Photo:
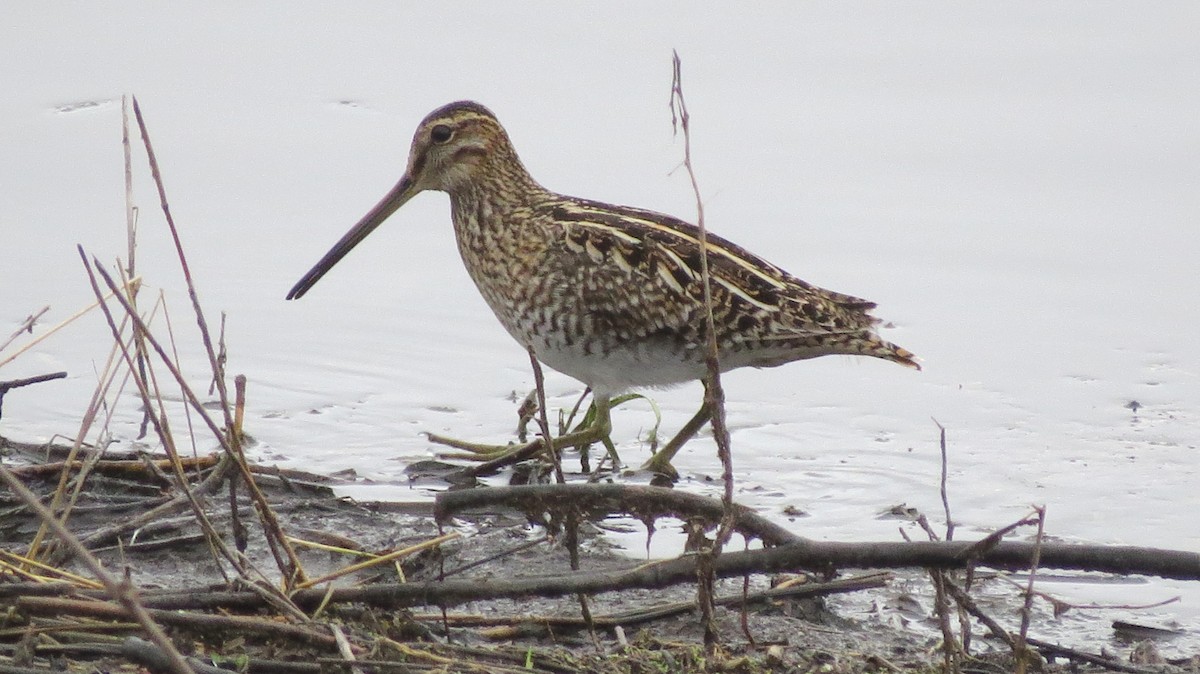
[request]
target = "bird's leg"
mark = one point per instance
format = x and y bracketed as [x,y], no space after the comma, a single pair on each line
[600,426]
[597,429]
[661,461]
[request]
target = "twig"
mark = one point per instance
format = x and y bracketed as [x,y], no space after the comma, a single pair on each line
[183,264]
[344,648]
[968,604]
[945,472]
[210,484]
[382,559]
[134,282]
[123,592]
[292,570]
[571,521]
[544,421]
[714,394]
[26,326]
[130,209]
[159,420]
[1020,650]
[6,386]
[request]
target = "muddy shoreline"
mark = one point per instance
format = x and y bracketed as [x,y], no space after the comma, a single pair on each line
[172,566]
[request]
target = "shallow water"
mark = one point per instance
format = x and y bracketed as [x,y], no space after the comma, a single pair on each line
[1015,189]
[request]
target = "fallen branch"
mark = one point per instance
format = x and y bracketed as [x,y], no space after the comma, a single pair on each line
[600,500]
[813,555]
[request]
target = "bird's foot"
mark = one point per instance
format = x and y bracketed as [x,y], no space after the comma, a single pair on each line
[478,451]
[580,439]
[660,464]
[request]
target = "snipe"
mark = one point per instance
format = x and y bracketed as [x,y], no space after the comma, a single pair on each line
[609,295]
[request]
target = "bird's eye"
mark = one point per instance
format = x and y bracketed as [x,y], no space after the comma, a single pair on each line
[441,133]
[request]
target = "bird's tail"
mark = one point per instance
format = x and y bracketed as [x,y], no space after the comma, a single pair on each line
[881,348]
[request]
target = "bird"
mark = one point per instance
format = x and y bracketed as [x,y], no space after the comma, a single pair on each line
[610,295]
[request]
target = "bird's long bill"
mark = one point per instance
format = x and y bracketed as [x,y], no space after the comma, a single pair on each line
[397,197]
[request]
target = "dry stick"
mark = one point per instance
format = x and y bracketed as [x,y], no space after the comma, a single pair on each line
[571,521]
[146,378]
[6,386]
[240,533]
[236,561]
[26,326]
[230,444]
[293,570]
[344,649]
[1021,651]
[130,209]
[145,654]
[953,650]
[10,560]
[382,559]
[945,469]
[222,356]
[187,411]
[121,591]
[160,421]
[1060,606]
[968,604]
[187,274]
[239,409]
[85,425]
[131,243]
[61,324]
[714,394]
[490,558]
[108,378]
[543,420]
